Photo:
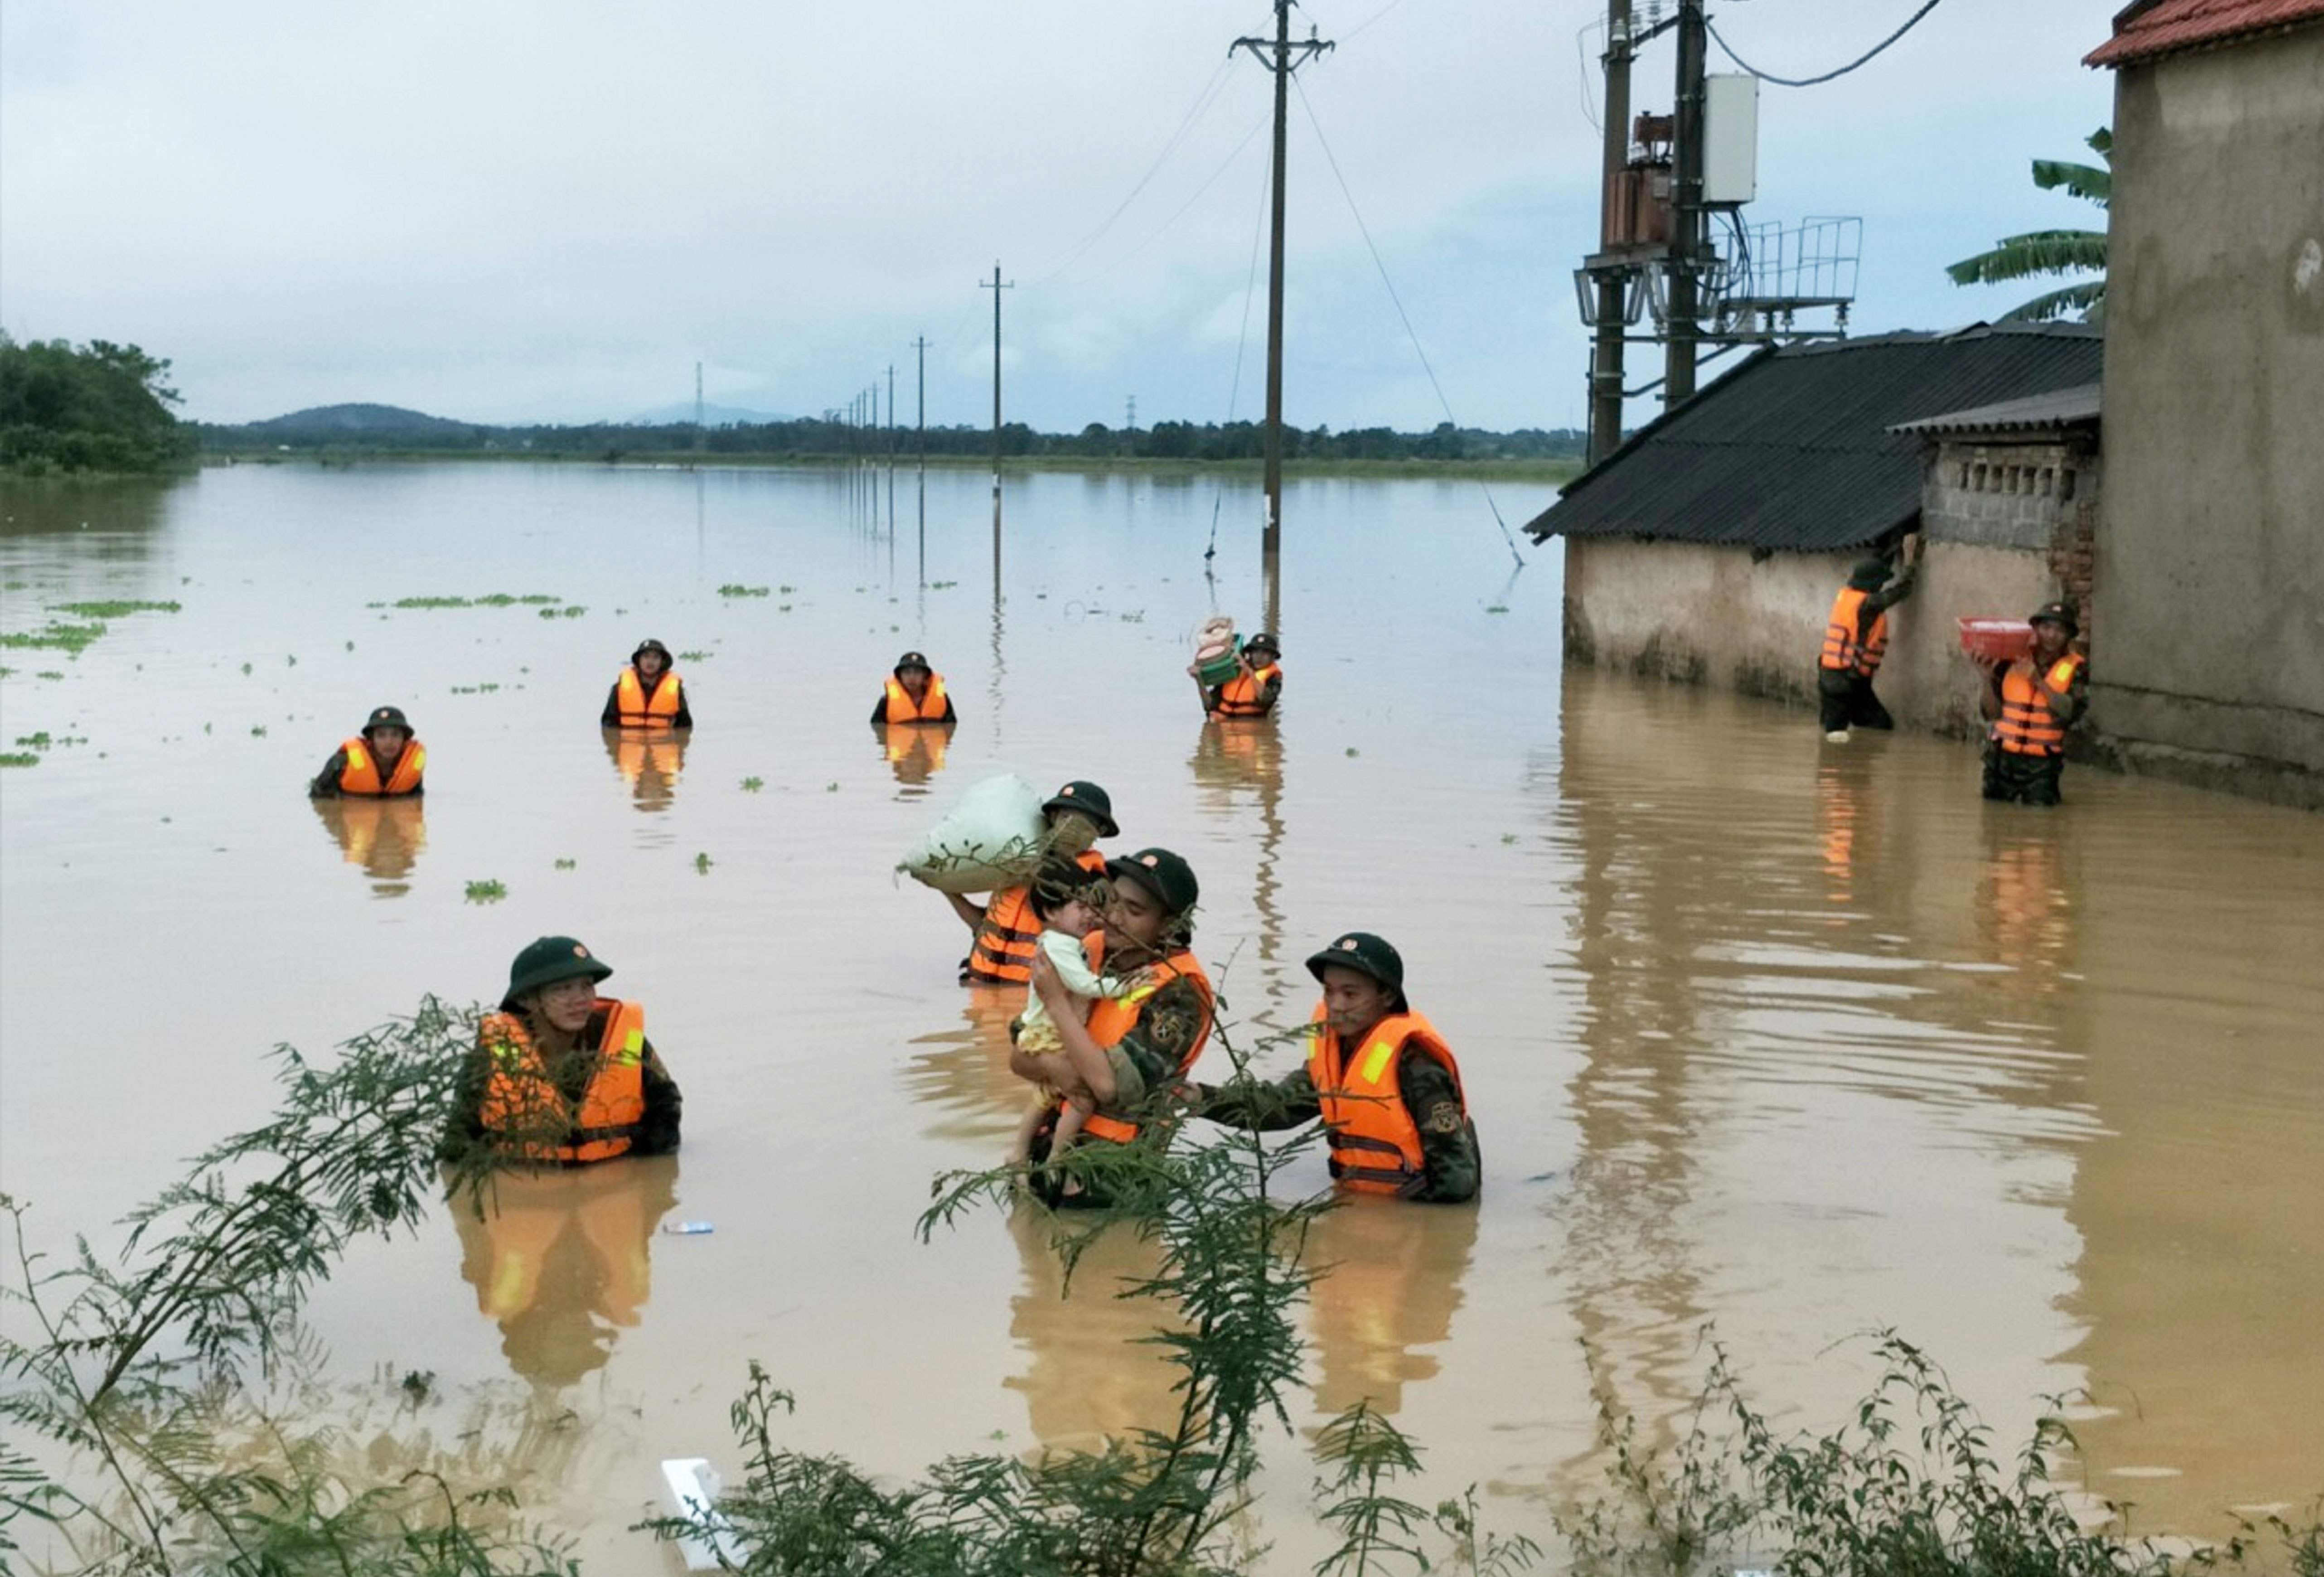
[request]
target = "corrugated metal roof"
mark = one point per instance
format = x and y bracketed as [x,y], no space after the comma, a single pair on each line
[2065,408]
[1792,450]
[2160,27]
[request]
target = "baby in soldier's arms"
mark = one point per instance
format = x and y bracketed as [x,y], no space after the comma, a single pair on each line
[1064,899]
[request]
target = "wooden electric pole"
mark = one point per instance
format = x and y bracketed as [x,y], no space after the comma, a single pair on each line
[1606,352]
[1278,57]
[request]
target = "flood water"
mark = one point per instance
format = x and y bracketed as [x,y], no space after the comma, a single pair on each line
[1763,1037]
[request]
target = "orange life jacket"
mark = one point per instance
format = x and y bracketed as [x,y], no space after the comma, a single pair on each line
[1111,1017]
[1245,694]
[2027,727]
[1011,932]
[901,706]
[1375,1144]
[1841,649]
[520,1098]
[361,774]
[636,709]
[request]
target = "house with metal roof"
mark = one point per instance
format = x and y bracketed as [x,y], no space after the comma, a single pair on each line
[2211,567]
[1708,547]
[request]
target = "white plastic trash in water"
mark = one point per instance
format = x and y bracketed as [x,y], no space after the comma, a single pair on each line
[694,1495]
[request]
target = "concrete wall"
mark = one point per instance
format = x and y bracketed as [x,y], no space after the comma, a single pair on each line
[2210,569]
[1710,615]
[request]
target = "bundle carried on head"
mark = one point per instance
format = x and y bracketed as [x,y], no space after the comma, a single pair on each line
[993,837]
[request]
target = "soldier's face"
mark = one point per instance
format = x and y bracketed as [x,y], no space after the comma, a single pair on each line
[652,663]
[1134,915]
[2048,637]
[914,681]
[564,1005]
[387,744]
[1353,1001]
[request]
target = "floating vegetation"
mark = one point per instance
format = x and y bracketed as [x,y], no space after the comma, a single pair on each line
[1351,750]
[1497,607]
[1137,618]
[490,600]
[787,590]
[566,864]
[119,610]
[41,741]
[1508,837]
[942,585]
[694,657]
[570,611]
[702,864]
[733,590]
[832,787]
[258,731]
[753,785]
[245,667]
[18,758]
[17,585]
[69,638]
[486,891]
[474,689]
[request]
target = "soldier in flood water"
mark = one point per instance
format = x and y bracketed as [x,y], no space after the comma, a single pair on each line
[2032,700]
[1254,689]
[1378,1077]
[915,694]
[648,693]
[561,1075]
[384,759]
[1854,638]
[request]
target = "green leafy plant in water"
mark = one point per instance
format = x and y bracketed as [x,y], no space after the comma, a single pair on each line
[114,610]
[486,891]
[733,590]
[570,611]
[566,864]
[694,657]
[1497,607]
[47,673]
[753,785]
[702,863]
[166,1384]
[19,759]
[258,731]
[1913,1486]
[1162,1502]
[70,638]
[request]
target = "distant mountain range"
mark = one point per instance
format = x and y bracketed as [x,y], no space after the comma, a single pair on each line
[712,416]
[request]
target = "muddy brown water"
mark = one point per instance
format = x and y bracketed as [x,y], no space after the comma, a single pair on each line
[1764,1038]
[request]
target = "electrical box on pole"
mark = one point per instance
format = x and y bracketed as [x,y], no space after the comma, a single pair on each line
[1730,140]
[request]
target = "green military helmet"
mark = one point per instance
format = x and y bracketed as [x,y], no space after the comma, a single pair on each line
[1163,875]
[545,962]
[1088,798]
[387,717]
[1365,955]
[1263,641]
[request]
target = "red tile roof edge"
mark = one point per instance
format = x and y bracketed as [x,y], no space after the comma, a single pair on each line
[2164,27]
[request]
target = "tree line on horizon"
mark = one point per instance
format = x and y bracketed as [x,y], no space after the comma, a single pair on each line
[94,407]
[377,429]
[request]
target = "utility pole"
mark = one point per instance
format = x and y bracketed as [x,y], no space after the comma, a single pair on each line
[699,440]
[1686,249]
[1606,355]
[996,287]
[1277,60]
[921,345]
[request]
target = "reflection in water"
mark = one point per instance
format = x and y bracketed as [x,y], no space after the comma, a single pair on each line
[112,511]
[962,1073]
[1392,1281]
[2024,908]
[382,835]
[1238,765]
[1090,1374]
[650,762]
[915,753]
[560,1260]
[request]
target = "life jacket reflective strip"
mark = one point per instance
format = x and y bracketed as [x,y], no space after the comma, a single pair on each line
[902,709]
[1245,694]
[2027,727]
[1111,1017]
[1841,649]
[1011,932]
[1375,1145]
[521,1098]
[637,709]
[361,774]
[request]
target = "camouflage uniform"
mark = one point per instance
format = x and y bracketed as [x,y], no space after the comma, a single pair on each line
[571,1072]
[1448,1140]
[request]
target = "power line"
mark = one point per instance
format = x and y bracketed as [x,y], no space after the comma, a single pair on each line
[1910,23]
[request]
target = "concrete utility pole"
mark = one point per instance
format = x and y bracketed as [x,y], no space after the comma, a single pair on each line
[1277,59]
[921,345]
[1686,247]
[996,287]
[698,438]
[1606,355]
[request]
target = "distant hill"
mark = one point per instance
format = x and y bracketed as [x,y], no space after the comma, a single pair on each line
[368,424]
[712,416]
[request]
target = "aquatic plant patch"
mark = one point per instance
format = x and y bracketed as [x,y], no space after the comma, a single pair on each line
[19,759]
[486,891]
[489,600]
[733,590]
[114,610]
[69,638]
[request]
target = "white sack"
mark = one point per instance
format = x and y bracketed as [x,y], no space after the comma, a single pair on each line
[991,839]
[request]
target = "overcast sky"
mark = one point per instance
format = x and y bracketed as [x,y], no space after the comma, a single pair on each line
[550,210]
